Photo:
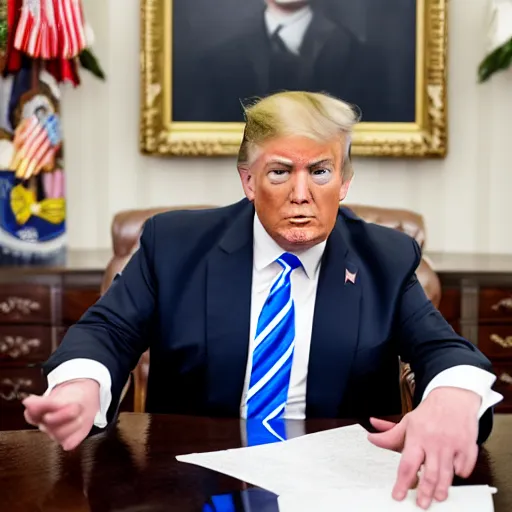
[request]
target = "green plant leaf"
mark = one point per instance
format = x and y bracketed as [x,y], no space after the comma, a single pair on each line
[89,61]
[3,34]
[498,60]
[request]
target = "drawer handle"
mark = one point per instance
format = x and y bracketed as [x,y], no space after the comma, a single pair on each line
[506,378]
[502,342]
[24,306]
[503,303]
[17,389]
[16,346]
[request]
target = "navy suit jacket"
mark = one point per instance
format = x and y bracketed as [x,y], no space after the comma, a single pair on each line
[186,294]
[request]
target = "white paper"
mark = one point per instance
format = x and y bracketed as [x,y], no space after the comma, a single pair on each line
[475,498]
[328,460]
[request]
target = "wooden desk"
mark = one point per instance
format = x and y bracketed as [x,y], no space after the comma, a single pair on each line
[133,467]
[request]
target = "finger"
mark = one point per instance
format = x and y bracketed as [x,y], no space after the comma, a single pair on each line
[459,463]
[410,463]
[74,440]
[392,439]
[34,409]
[465,461]
[62,433]
[382,425]
[29,418]
[44,430]
[446,467]
[64,415]
[37,406]
[428,480]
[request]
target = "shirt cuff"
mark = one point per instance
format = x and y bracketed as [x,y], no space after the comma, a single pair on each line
[471,378]
[85,369]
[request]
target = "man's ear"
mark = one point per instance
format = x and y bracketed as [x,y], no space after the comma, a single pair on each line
[345,185]
[247,179]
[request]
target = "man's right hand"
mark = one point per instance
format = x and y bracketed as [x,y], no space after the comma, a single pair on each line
[67,413]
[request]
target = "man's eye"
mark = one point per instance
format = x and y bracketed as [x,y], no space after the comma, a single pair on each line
[278,175]
[321,176]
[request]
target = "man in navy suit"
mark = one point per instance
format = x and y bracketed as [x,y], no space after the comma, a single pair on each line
[290,45]
[282,305]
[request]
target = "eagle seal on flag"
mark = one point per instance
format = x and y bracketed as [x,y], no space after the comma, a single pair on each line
[32,189]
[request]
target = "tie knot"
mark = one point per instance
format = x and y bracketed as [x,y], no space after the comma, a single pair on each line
[289,260]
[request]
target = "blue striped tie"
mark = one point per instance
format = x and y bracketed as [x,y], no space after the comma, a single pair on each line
[273,349]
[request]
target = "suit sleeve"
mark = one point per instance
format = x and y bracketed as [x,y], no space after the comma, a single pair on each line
[429,344]
[114,330]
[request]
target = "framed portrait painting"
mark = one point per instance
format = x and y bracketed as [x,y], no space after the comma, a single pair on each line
[202,61]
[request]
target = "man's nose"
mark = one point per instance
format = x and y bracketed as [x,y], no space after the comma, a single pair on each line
[300,191]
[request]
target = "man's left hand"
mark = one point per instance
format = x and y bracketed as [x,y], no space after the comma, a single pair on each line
[440,434]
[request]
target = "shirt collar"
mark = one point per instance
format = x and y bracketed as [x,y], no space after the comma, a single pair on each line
[267,250]
[294,25]
[275,18]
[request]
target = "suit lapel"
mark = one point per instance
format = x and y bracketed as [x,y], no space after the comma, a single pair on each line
[257,51]
[335,328]
[228,310]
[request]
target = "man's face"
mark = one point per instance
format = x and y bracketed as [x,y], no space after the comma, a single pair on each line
[296,185]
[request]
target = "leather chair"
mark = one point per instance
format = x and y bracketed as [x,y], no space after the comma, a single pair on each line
[127,226]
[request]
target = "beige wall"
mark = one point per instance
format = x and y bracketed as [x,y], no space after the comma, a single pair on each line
[465,198]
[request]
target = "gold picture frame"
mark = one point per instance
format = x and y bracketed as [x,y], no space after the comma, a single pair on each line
[425,137]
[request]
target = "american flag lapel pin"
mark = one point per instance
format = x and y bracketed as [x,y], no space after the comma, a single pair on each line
[350,277]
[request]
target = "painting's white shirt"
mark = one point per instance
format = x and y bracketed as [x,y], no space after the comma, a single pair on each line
[294,26]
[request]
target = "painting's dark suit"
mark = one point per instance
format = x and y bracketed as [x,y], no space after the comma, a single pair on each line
[251,65]
[187,292]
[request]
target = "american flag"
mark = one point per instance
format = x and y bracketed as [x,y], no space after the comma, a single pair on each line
[350,276]
[36,143]
[51,29]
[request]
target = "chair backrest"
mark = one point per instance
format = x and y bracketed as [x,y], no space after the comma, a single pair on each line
[125,230]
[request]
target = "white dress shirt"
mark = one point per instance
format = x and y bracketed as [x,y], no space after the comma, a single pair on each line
[294,26]
[304,281]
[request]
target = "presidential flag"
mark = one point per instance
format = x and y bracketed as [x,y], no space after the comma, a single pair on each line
[36,143]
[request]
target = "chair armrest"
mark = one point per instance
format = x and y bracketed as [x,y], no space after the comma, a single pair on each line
[407,386]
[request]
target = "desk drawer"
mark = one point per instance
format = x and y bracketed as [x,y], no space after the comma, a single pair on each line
[495,304]
[75,302]
[495,341]
[25,304]
[17,383]
[504,386]
[25,343]
[450,304]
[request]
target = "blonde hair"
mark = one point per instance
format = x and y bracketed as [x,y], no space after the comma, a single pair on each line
[314,115]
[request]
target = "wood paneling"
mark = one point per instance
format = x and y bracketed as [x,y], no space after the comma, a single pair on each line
[75,301]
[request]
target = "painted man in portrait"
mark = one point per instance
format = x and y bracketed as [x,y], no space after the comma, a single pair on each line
[290,45]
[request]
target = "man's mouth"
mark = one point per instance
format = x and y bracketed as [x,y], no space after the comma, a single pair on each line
[300,219]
